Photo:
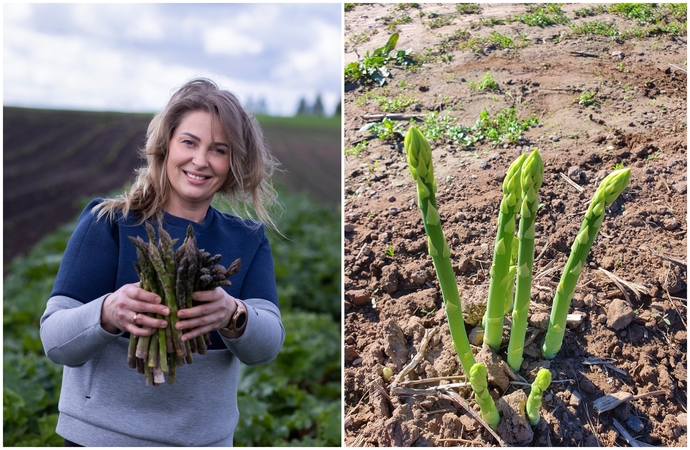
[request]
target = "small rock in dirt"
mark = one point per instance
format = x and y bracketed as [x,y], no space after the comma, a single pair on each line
[394,211]
[350,354]
[384,237]
[482,164]
[635,424]
[539,320]
[396,344]
[402,431]
[620,314]
[391,199]
[574,173]
[389,278]
[514,427]
[575,399]
[607,262]
[476,336]
[671,224]
[682,420]
[474,306]
[681,187]
[459,217]
[349,228]
[359,297]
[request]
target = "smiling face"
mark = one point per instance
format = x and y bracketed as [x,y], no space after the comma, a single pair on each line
[197,166]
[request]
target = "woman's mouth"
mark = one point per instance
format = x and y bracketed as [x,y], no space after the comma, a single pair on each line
[195,177]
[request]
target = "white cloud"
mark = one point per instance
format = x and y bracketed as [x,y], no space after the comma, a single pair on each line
[226,41]
[132,57]
[306,66]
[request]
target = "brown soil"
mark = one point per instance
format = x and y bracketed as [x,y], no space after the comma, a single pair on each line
[391,293]
[55,159]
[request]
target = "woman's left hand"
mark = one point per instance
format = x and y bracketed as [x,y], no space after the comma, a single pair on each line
[214,312]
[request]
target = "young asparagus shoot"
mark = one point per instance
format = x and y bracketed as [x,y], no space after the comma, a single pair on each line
[608,191]
[531,179]
[540,384]
[501,280]
[420,164]
[487,407]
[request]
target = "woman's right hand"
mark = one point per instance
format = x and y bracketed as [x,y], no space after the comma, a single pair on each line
[130,302]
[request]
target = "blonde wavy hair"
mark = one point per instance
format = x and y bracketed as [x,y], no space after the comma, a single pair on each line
[251,165]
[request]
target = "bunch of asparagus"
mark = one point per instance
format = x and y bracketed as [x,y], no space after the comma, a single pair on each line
[174,276]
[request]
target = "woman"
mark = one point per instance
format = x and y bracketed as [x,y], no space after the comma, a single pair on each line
[201,144]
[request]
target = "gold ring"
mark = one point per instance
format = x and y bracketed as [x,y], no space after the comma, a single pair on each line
[135,318]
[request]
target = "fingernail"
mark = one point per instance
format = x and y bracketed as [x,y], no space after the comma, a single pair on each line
[164,324]
[166,311]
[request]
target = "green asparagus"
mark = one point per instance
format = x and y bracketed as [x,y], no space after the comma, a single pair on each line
[531,179]
[420,164]
[540,384]
[174,276]
[501,280]
[608,191]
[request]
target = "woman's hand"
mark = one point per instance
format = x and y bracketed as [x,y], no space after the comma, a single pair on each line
[214,313]
[128,305]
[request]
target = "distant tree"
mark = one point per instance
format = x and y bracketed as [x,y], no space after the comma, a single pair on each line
[338,109]
[317,109]
[303,109]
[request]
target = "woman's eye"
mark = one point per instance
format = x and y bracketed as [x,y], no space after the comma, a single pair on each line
[187,142]
[220,151]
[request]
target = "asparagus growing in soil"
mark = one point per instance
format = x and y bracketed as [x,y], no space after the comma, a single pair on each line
[174,276]
[540,384]
[420,164]
[487,407]
[531,179]
[608,191]
[501,280]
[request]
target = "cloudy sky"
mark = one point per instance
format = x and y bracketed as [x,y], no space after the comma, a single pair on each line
[131,57]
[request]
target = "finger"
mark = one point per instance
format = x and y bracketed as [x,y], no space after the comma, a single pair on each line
[146,321]
[139,331]
[206,296]
[136,293]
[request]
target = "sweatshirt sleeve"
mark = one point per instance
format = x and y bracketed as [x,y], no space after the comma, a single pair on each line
[262,338]
[71,331]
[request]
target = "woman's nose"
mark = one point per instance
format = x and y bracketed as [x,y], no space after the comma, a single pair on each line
[200,159]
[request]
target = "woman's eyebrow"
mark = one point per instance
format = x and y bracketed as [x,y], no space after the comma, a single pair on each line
[191,135]
[196,138]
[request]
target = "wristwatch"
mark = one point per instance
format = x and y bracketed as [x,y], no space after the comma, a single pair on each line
[238,321]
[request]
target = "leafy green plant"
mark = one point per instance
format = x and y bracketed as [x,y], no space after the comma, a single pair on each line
[295,399]
[356,150]
[486,83]
[385,130]
[390,251]
[374,66]
[468,8]
[504,126]
[543,16]
[440,20]
[587,98]
[595,27]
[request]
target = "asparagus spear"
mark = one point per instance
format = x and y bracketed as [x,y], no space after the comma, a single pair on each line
[540,384]
[420,164]
[608,191]
[487,407]
[500,276]
[531,179]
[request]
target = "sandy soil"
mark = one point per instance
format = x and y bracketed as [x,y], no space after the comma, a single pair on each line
[392,298]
